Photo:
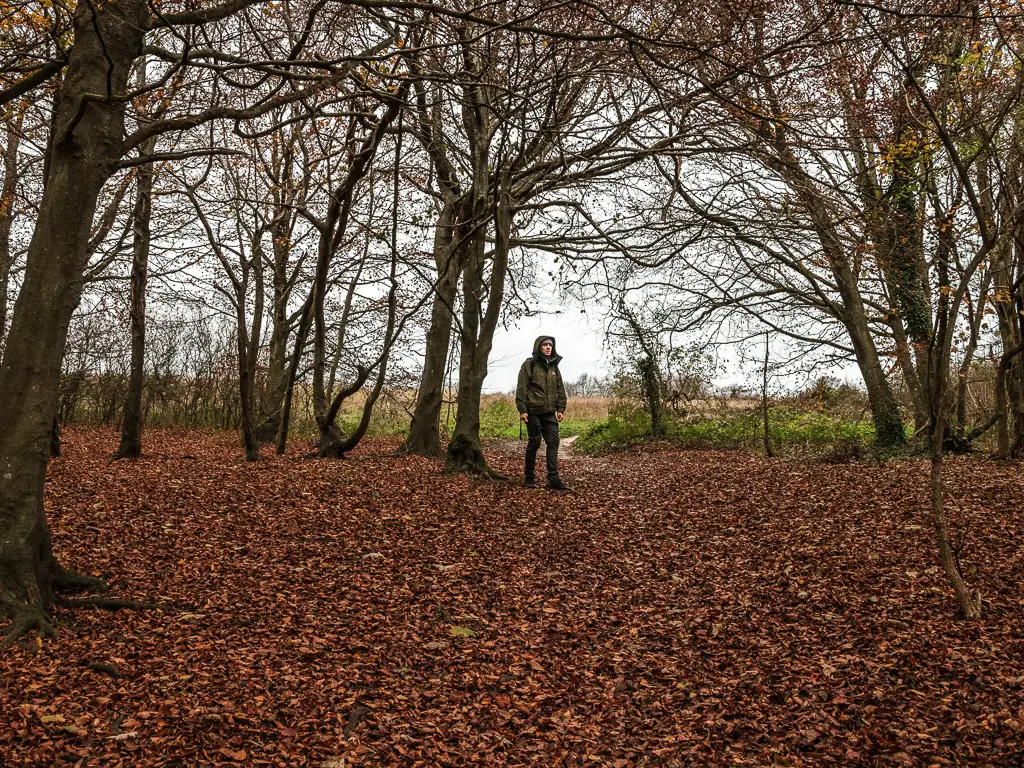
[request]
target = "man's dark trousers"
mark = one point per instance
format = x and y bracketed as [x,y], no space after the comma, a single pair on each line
[542,426]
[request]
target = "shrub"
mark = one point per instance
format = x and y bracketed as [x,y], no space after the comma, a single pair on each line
[499,419]
[610,435]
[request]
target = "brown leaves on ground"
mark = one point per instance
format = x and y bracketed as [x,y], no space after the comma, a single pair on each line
[679,609]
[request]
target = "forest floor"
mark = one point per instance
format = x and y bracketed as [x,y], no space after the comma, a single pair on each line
[678,609]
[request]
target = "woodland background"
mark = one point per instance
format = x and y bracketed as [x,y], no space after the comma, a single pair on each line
[303,223]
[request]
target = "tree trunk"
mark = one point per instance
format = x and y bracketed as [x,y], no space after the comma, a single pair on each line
[1004,446]
[277,381]
[651,380]
[87,144]
[1013,342]
[908,369]
[339,447]
[277,363]
[959,438]
[465,453]
[291,374]
[938,356]
[131,426]
[764,401]
[1015,386]
[55,438]
[424,438]
[331,435]
[332,232]
[248,348]
[249,441]
[7,214]
[969,602]
[332,443]
[885,411]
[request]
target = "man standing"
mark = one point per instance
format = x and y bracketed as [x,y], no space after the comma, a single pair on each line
[540,400]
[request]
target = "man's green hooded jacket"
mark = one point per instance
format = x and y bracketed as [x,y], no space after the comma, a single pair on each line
[540,387]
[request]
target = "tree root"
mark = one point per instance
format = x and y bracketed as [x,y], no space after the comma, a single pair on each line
[24,618]
[419,446]
[27,600]
[972,610]
[464,457]
[66,580]
[117,604]
[479,470]
[331,442]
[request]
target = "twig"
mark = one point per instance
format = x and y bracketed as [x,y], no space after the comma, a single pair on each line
[107,669]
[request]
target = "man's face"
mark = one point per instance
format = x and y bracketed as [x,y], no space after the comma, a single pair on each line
[546,348]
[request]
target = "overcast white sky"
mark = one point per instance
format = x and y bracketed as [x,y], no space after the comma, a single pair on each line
[579,337]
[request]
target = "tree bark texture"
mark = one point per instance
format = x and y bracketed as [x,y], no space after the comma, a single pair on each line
[885,410]
[246,362]
[277,370]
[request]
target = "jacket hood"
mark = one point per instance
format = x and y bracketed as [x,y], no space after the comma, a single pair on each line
[555,357]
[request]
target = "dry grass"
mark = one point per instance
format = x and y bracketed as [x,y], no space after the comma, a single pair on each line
[591,409]
[577,408]
[588,408]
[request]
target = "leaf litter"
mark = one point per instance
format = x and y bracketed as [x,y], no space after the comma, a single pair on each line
[678,609]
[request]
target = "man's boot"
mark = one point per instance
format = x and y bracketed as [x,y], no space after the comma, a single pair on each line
[555,484]
[529,476]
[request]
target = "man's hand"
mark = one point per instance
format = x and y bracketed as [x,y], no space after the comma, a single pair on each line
[524,417]
[559,417]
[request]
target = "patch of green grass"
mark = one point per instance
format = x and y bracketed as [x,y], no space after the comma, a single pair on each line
[500,421]
[612,435]
[570,427]
[384,422]
[791,429]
